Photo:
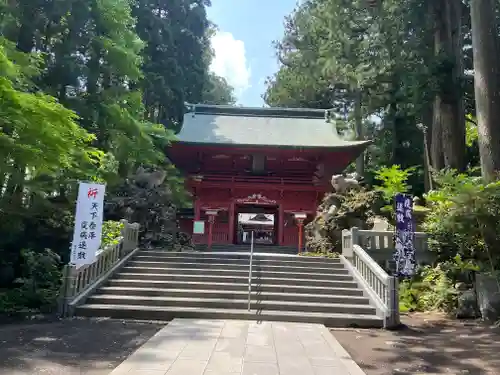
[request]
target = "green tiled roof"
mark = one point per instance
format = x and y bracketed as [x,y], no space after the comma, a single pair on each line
[207,124]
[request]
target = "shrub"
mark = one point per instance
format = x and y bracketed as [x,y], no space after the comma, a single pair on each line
[433,288]
[393,180]
[111,233]
[463,219]
[37,288]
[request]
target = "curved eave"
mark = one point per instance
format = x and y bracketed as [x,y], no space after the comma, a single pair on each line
[346,146]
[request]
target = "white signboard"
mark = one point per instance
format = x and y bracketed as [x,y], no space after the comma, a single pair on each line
[198,227]
[88,224]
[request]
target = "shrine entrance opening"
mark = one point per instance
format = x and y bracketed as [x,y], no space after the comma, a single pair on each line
[262,220]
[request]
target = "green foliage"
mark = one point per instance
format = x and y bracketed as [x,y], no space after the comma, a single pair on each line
[332,48]
[471,134]
[394,181]
[218,91]
[433,288]
[90,91]
[111,233]
[37,288]
[36,131]
[463,219]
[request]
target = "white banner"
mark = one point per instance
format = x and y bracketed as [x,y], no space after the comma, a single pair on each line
[88,224]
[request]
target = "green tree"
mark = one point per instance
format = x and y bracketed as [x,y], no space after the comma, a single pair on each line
[38,136]
[80,82]
[42,148]
[381,62]
[218,91]
[175,63]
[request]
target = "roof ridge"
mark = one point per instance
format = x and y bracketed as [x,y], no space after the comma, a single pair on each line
[276,112]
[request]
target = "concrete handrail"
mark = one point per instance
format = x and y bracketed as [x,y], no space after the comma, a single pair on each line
[77,283]
[374,239]
[378,286]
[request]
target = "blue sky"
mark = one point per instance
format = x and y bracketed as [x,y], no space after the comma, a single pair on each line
[243,45]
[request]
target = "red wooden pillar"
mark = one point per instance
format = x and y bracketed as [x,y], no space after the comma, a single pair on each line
[281,225]
[300,223]
[211,220]
[197,213]
[197,238]
[300,217]
[231,222]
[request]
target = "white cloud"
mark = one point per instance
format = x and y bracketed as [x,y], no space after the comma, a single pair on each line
[230,61]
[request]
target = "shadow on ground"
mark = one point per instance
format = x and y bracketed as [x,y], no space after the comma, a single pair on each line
[430,344]
[71,347]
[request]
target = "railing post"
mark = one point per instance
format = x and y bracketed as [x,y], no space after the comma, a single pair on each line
[393,318]
[130,237]
[125,237]
[67,291]
[349,252]
[347,244]
[355,236]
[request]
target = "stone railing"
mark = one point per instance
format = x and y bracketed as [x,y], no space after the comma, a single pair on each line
[381,288]
[78,284]
[380,245]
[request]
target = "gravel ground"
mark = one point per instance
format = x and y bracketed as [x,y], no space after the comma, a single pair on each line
[430,344]
[71,347]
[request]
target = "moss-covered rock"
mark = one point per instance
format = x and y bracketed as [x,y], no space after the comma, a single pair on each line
[337,212]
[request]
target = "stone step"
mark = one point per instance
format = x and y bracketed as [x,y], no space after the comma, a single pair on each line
[340,275]
[345,282]
[161,285]
[142,312]
[258,249]
[342,308]
[150,262]
[234,287]
[202,260]
[238,255]
[232,295]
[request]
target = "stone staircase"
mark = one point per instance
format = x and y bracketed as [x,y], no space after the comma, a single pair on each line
[160,285]
[258,249]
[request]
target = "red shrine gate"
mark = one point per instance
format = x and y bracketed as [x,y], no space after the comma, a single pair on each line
[261,161]
[221,208]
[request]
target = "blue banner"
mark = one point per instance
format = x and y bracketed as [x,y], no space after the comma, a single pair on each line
[404,255]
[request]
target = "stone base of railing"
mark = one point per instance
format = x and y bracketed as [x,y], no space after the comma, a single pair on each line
[393,320]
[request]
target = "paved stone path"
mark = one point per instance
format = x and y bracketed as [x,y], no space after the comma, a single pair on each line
[218,347]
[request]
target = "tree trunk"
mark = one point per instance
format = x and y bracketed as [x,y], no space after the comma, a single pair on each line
[485,45]
[456,155]
[436,135]
[358,121]
[448,134]
[427,129]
